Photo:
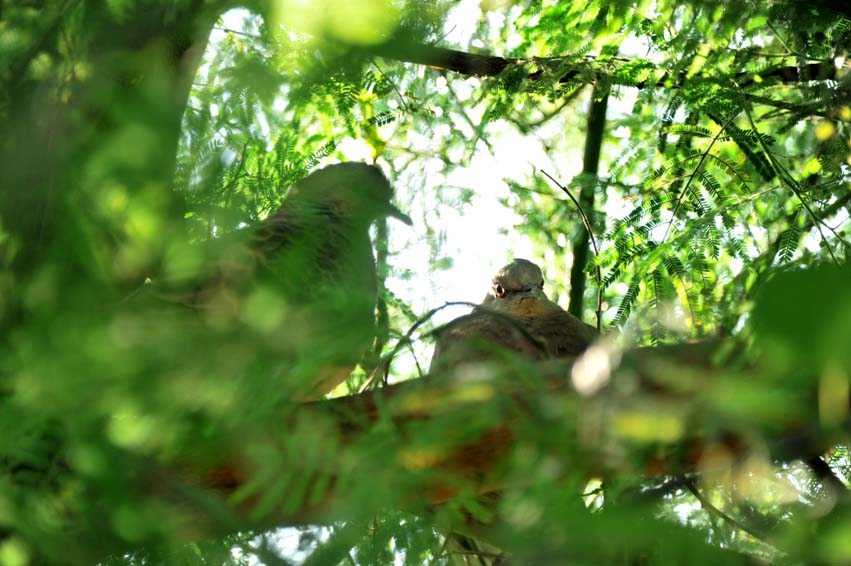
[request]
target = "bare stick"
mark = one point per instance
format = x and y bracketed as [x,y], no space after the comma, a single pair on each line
[713,510]
[384,366]
[587,224]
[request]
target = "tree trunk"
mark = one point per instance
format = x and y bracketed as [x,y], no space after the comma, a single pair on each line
[590,166]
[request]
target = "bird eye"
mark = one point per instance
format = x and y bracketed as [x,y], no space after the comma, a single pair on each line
[499,290]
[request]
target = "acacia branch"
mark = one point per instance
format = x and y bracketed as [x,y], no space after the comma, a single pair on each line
[586,69]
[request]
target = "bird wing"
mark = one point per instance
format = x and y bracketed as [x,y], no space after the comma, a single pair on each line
[480,336]
[532,327]
[562,333]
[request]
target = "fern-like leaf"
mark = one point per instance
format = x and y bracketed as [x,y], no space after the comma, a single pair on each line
[625,308]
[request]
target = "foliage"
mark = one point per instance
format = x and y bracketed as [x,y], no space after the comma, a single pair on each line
[721,209]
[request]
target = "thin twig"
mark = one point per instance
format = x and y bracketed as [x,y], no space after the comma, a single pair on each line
[237,32]
[440,551]
[477,129]
[416,360]
[587,223]
[784,176]
[392,85]
[595,491]
[776,33]
[384,366]
[761,262]
[697,167]
[548,116]
[712,509]
[480,553]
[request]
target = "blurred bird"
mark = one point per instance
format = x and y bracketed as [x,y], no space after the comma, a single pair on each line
[516,315]
[303,277]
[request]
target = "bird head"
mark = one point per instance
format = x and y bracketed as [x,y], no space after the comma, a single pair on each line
[519,282]
[356,191]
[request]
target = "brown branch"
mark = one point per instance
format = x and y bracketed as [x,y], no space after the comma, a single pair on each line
[482,65]
[376,457]
[478,463]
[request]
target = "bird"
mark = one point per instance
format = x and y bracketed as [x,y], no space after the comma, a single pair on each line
[515,316]
[305,277]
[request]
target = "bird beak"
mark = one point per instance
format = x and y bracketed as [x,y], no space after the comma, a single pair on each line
[532,291]
[398,215]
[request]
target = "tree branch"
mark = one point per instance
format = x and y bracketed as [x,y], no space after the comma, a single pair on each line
[713,510]
[670,376]
[403,49]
